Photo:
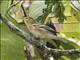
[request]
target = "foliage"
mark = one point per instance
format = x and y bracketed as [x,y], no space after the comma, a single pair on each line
[12,45]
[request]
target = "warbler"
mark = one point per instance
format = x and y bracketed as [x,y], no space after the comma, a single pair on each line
[38,30]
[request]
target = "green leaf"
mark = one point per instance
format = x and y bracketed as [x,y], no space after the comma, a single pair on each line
[67,5]
[11,45]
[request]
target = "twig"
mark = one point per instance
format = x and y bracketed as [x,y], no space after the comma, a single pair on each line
[63,52]
[27,37]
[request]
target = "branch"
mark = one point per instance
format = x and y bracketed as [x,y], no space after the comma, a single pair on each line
[28,38]
[29,52]
[64,52]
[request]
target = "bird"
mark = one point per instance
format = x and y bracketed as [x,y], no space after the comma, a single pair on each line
[43,32]
[37,29]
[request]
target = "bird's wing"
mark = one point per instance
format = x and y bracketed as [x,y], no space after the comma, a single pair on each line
[44,27]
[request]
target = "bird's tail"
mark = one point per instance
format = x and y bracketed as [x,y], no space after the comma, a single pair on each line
[54,41]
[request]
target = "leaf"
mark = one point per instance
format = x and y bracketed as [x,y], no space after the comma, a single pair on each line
[16,12]
[36,9]
[67,5]
[4,6]
[71,26]
[11,44]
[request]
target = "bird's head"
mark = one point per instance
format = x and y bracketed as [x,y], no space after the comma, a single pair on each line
[29,20]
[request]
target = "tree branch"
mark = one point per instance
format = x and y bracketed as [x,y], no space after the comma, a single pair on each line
[64,52]
[28,38]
